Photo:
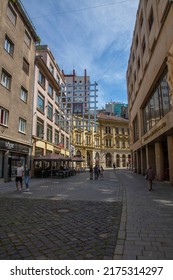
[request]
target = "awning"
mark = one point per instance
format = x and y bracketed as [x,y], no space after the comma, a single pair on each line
[50,157]
[57,157]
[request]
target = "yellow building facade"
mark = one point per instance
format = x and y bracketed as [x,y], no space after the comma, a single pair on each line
[105,146]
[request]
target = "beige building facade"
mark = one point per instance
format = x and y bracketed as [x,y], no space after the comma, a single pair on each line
[17,52]
[150,89]
[50,126]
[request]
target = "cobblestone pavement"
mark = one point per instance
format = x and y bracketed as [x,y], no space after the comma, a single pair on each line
[71,218]
[75,218]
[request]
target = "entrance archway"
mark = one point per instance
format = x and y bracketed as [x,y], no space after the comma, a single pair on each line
[124,160]
[108,160]
[89,159]
[97,158]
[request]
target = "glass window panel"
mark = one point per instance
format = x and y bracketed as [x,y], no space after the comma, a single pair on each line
[5,79]
[23,95]
[50,111]
[8,45]
[22,125]
[40,128]
[27,39]
[11,14]
[49,133]
[40,102]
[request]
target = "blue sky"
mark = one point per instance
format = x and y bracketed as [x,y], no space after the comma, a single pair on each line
[95,35]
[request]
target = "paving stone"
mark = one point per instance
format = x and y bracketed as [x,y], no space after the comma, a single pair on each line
[74,224]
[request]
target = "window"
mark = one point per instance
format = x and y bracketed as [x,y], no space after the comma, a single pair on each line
[62,140]
[135,76]
[108,129]
[50,111]
[139,63]
[116,130]
[158,105]
[58,79]
[22,125]
[78,138]
[117,144]
[40,128]
[136,41]
[88,140]
[133,56]
[25,66]
[67,143]
[11,14]
[40,102]
[51,68]
[3,116]
[27,39]
[57,117]
[97,142]
[8,45]
[5,79]
[141,19]
[143,45]
[49,133]
[56,137]
[108,143]
[41,79]
[23,94]
[151,19]
[50,90]
[135,130]
[56,98]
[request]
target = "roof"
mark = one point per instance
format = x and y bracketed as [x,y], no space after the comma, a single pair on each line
[111,118]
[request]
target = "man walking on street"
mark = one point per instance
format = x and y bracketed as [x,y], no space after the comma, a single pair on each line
[19,176]
[150,177]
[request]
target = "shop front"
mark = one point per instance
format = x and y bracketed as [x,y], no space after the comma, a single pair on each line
[10,154]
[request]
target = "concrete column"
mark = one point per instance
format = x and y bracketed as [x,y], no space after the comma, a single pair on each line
[143,161]
[138,162]
[170,157]
[159,161]
[150,156]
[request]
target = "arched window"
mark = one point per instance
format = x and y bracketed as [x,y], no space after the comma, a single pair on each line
[108,160]
[124,160]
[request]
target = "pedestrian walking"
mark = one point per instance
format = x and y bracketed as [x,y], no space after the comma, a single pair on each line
[96,172]
[149,175]
[101,173]
[19,176]
[27,175]
[91,173]
[114,166]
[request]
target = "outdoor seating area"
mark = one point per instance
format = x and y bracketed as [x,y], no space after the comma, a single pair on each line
[57,173]
[55,166]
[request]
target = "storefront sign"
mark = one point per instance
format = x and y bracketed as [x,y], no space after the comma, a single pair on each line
[11,146]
